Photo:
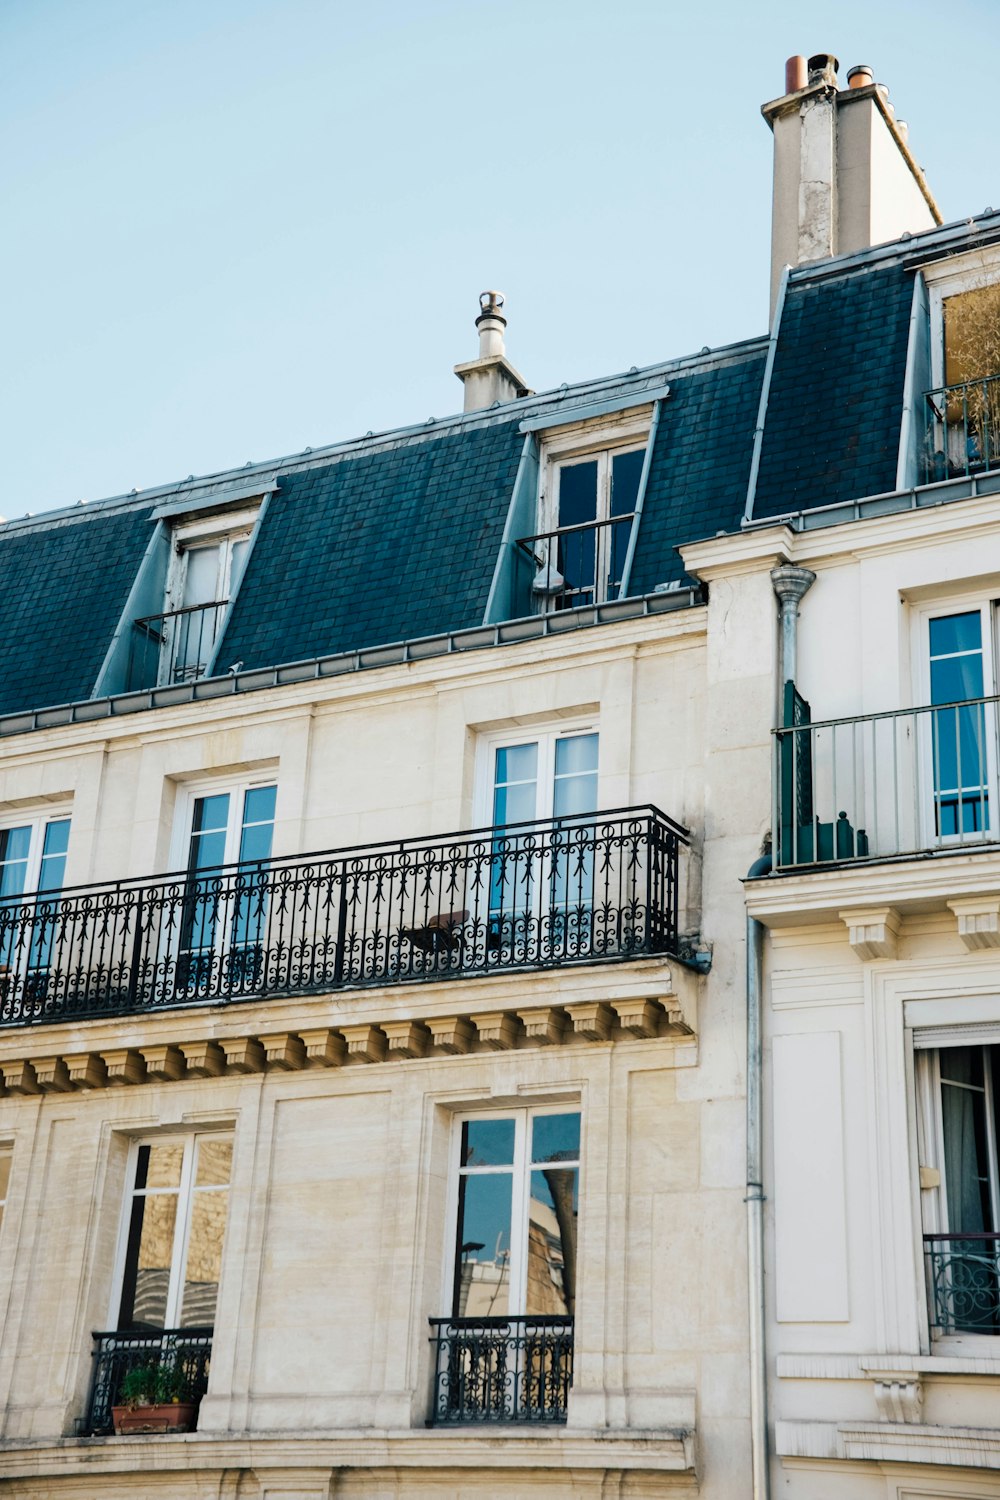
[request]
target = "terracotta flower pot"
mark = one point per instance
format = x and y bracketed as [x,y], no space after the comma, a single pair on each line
[172,1416]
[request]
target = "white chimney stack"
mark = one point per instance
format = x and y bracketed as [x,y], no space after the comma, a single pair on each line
[844,177]
[491,377]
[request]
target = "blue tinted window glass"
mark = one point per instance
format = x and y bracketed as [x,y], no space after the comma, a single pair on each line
[516,763]
[54,849]
[578,493]
[258,805]
[482,1252]
[14,846]
[626,472]
[487,1143]
[956,633]
[576,753]
[555,1138]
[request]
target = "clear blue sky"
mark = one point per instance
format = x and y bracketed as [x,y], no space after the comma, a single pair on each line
[238,227]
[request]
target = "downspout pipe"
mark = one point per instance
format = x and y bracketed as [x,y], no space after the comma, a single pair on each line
[760,1470]
[791,584]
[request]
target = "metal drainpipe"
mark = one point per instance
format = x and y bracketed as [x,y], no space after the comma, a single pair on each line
[790,584]
[755,1206]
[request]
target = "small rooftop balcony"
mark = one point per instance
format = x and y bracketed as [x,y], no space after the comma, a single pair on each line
[599,887]
[962,434]
[899,784]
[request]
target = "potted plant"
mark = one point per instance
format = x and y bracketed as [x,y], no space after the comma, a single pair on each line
[154,1398]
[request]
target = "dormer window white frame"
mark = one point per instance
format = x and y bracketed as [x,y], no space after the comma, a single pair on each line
[951,278]
[590,478]
[207,556]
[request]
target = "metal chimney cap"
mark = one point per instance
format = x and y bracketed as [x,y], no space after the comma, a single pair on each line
[823,68]
[490,304]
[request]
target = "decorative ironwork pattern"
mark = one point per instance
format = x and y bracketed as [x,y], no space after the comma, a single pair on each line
[173,647]
[187,1350]
[501,1369]
[963,1276]
[963,429]
[532,895]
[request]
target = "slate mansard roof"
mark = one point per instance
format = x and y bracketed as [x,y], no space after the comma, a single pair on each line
[398,536]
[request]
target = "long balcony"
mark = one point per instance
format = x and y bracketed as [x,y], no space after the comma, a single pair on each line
[498,1370]
[600,887]
[962,435]
[907,782]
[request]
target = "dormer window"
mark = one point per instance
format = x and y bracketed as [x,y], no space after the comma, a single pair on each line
[207,557]
[963,405]
[591,481]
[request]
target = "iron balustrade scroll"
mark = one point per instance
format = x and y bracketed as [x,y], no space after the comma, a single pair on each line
[962,435]
[963,1278]
[530,895]
[186,1350]
[883,785]
[516,1369]
[173,647]
[572,566]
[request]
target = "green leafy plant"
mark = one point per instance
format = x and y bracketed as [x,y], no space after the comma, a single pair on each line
[153,1385]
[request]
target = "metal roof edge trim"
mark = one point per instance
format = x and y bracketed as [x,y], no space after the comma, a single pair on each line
[889,502]
[255,679]
[274,468]
[911,252]
[584,410]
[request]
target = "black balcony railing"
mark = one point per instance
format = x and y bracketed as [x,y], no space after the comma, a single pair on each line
[963,1278]
[573,566]
[963,429]
[528,895]
[184,1352]
[501,1369]
[173,647]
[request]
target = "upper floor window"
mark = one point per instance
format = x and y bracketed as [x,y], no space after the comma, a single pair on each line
[206,562]
[32,863]
[591,482]
[223,927]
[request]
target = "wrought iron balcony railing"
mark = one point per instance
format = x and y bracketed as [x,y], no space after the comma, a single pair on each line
[963,429]
[963,1279]
[501,1369]
[573,566]
[185,1352]
[881,785]
[173,647]
[529,895]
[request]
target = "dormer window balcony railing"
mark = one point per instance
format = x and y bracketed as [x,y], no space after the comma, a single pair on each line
[573,566]
[576,889]
[962,435]
[175,646]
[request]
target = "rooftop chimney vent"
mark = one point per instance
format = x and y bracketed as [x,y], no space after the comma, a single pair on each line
[491,379]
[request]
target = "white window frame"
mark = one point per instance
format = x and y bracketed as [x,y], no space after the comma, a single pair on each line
[545,735]
[988,605]
[37,821]
[185,1193]
[520,1171]
[224,531]
[933,1216]
[189,793]
[950,278]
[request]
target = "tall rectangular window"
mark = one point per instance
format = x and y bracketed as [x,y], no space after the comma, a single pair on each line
[32,868]
[226,900]
[595,502]
[176,1223]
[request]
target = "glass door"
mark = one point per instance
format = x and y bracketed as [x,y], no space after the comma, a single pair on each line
[32,871]
[541,879]
[224,923]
